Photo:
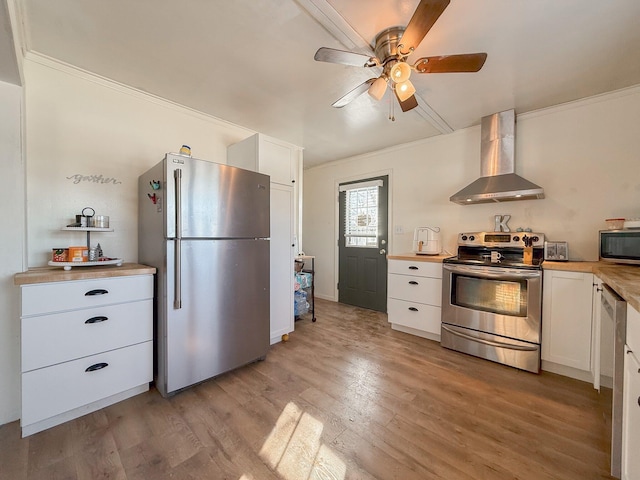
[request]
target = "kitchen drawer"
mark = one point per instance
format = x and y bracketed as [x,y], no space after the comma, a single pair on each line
[414,315]
[416,269]
[59,337]
[54,390]
[62,296]
[415,289]
[633,330]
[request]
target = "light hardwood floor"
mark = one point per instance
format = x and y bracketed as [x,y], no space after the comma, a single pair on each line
[345,398]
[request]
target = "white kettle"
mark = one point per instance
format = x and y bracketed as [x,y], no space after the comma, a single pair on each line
[426,241]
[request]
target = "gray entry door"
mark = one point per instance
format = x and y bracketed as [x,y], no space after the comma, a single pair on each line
[362,243]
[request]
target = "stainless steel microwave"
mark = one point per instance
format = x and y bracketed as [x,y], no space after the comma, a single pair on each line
[620,246]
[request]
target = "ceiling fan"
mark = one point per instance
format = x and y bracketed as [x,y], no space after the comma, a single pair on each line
[392,48]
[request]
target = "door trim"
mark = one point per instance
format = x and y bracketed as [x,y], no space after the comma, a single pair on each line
[336,222]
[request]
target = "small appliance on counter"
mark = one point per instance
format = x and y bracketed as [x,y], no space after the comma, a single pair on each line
[426,241]
[556,251]
[620,246]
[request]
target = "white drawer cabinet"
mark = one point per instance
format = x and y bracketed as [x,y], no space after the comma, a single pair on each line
[85,344]
[415,297]
[422,317]
[61,296]
[60,337]
[416,289]
[46,392]
[418,269]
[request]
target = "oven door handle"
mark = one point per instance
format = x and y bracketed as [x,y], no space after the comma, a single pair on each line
[493,272]
[491,343]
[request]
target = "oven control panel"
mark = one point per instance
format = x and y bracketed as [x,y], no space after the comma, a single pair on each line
[500,239]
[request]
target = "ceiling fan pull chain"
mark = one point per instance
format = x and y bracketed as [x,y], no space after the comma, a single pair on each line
[392,115]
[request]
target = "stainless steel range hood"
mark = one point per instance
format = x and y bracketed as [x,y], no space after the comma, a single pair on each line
[498,181]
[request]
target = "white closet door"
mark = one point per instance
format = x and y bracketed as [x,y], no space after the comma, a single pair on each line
[282,253]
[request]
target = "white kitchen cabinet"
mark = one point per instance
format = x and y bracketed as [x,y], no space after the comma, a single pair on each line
[576,342]
[86,343]
[567,307]
[414,297]
[631,399]
[281,271]
[267,155]
[282,162]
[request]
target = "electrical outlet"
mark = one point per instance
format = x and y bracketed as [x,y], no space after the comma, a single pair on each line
[398,230]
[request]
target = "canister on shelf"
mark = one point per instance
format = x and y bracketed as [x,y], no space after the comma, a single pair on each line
[101,221]
[59,255]
[78,254]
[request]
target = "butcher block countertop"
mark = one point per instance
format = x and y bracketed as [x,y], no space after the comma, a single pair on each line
[419,258]
[57,274]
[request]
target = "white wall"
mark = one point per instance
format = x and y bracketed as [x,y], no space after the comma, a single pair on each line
[586,156]
[11,247]
[77,123]
[80,124]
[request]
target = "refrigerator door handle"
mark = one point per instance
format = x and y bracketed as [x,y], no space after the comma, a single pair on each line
[177,293]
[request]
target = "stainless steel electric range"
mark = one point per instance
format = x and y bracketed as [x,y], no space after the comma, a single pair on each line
[492,298]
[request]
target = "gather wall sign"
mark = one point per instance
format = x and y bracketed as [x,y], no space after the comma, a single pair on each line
[96,178]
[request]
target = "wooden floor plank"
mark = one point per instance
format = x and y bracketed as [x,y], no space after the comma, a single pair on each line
[346,397]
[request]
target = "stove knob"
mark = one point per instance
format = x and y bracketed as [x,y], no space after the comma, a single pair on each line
[472,238]
[464,238]
[535,239]
[516,238]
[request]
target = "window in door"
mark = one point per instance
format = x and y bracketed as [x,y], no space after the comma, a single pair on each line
[361,214]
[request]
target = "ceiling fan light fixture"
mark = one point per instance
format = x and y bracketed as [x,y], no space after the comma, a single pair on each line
[400,72]
[405,90]
[377,88]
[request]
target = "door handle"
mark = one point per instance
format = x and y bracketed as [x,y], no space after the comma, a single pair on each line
[382,251]
[97,291]
[96,319]
[177,265]
[96,366]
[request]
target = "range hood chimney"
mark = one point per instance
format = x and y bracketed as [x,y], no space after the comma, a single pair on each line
[498,181]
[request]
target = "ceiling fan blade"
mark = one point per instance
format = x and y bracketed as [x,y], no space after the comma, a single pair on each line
[466,62]
[409,104]
[353,94]
[426,14]
[343,57]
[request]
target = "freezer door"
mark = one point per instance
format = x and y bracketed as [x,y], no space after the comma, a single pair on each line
[224,319]
[215,200]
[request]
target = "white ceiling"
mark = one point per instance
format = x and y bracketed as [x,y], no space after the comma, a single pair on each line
[250,62]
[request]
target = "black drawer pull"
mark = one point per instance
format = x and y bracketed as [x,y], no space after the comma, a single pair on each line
[96,366]
[96,319]
[413,309]
[413,282]
[413,267]
[97,291]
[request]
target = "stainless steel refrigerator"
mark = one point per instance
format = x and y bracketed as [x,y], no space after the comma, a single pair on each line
[205,227]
